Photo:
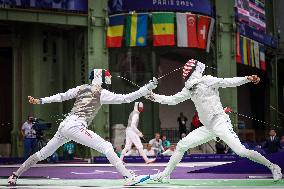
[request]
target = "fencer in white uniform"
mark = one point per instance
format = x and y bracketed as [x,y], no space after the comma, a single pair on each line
[89,98]
[133,134]
[203,91]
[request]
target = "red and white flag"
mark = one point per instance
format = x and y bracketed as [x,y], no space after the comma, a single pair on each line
[202,30]
[238,49]
[186,30]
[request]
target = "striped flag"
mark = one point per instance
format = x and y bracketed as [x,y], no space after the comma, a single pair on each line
[115,31]
[163,29]
[256,54]
[262,58]
[244,50]
[238,48]
[252,54]
[186,30]
[136,29]
[248,52]
[202,31]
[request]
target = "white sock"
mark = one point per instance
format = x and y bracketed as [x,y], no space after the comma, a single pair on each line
[174,160]
[258,158]
[32,160]
[114,160]
[142,153]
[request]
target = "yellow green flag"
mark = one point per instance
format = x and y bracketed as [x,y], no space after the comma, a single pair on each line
[163,29]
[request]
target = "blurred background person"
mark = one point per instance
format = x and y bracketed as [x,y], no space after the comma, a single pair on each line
[166,143]
[195,122]
[29,135]
[272,143]
[157,144]
[68,151]
[132,152]
[182,124]
[149,150]
[220,146]
[116,150]
[133,134]
[169,151]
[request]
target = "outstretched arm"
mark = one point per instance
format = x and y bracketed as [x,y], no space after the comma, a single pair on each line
[179,97]
[108,97]
[232,82]
[71,93]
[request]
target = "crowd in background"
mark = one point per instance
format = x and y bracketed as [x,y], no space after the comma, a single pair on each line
[159,145]
[156,146]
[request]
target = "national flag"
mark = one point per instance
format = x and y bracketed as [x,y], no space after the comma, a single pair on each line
[136,29]
[241,49]
[256,54]
[244,50]
[202,30]
[186,30]
[163,29]
[115,31]
[252,54]
[212,23]
[262,58]
[238,48]
[248,52]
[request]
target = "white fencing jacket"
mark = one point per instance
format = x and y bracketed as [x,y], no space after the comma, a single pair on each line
[205,95]
[89,99]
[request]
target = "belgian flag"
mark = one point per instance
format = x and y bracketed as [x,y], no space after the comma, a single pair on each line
[115,31]
[163,29]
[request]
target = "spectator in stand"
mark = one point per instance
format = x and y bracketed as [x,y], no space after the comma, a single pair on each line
[149,150]
[116,150]
[132,152]
[169,151]
[272,143]
[166,143]
[220,146]
[182,124]
[157,144]
[29,135]
[195,122]
[68,151]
